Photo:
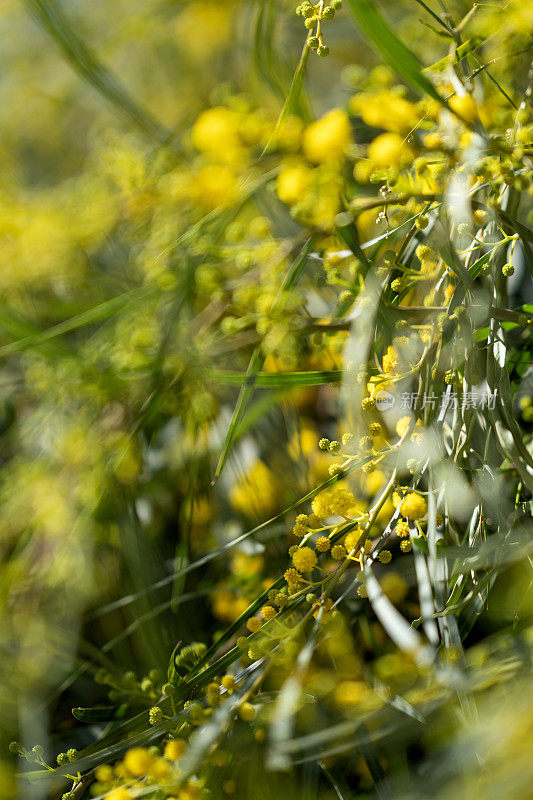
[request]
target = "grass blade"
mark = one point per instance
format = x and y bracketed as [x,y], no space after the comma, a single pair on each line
[263,54]
[278,380]
[93,315]
[292,103]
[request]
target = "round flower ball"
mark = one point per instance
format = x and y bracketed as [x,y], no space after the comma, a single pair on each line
[138,761]
[247,712]
[175,749]
[304,559]
[413,506]
[326,139]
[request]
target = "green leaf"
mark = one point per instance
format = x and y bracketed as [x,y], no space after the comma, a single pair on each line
[93,315]
[509,437]
[245,394]
[273,71]
[448,61]
[393,51]
[450,256]
[347,230]
[234,627]
[279,380]
[292,103]
[525,234]
[14,326]
[99,713]
[172,674]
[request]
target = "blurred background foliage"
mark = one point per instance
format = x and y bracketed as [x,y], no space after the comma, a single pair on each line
[143,243]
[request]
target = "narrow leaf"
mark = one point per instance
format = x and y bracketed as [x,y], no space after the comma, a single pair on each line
[278,380]
[393,51]
[292,102]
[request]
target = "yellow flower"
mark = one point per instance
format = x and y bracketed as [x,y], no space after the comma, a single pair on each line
[351,693]
[268,612]
[338,552]
[426,254]
[362,172]
[228,682]
[402,425]
[394,587]
[226,606]
[327,138]
[118,794]
[413,506]
[37,244]
[303,442]
[246,566]
[304,559]
[390,361]
[216,133]
[385,110]
[465,139]
[192,790]
[372,483]
[138,761]
[390,150]
[338,500]
[293,182]
[394,667]
[175,749]
[402,529]
[104,773]
[213,186]
[292,576]
[352,540]
[448,292]
[247,712]
[161,770]
[433,141]
[257,492]
[204,26]
[465,107]
[385,512]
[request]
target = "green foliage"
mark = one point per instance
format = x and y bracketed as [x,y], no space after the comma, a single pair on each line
[266,401]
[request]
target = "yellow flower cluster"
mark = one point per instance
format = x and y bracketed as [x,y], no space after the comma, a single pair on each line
[257,492]
[326,139]
[142,275]
[304,559]
[143,769]
[337,500]
[413,506]
[390,361]
[385,109]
